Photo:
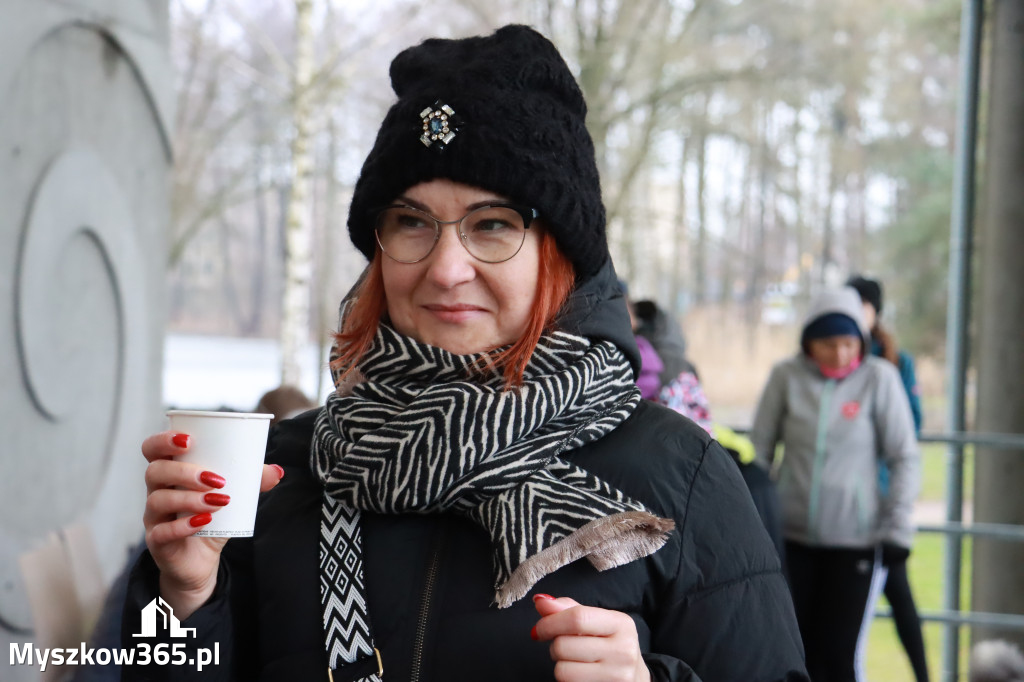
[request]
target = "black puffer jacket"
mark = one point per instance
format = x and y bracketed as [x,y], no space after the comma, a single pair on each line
[711,605]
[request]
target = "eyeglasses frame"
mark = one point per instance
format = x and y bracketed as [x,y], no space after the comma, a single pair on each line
[528,214]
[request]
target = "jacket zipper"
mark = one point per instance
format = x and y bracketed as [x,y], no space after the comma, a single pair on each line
[425,604]
[820,443]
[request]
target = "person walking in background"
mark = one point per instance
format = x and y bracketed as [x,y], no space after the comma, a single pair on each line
[897,583]
[836,409]
[665,332]
[680,388]
[883,342]
[651,367]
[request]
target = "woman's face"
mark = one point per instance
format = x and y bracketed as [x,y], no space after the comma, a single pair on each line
[450,299]
[835,352]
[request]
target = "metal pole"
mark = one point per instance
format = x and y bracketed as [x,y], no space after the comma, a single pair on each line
[995,531]
[1007,441]
[958,316]
[996,581]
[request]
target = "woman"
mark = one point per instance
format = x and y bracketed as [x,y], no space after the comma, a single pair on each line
[837,411]
[485,436]
[897,583]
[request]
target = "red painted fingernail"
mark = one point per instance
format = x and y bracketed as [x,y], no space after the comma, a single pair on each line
[180,439]
[200,519]
[541,595]
[216,499]
[533,634]
[280,470]
[211,479]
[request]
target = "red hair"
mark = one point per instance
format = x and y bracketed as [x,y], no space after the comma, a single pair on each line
[555,280]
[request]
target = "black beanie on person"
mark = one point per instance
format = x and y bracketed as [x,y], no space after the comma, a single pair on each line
[831,324]
[509,118]
[870,291]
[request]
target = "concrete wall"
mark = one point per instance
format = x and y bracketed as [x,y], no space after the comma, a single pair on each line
[86,99]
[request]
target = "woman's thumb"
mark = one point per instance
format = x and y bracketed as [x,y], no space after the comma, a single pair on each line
[546,604]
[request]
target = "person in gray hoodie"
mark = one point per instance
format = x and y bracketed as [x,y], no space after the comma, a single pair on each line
[838,411]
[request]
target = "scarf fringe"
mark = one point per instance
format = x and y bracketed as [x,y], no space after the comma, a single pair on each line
[606,542]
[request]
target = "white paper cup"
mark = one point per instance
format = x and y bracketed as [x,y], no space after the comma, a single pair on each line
[232,445]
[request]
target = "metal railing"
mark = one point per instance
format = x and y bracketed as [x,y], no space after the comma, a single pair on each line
[955,530]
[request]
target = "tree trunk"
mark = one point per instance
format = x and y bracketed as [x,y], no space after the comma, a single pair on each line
[856,223]
[328,305]
[701,256]
[755,285]
[230,298]
[728,262]
[259,201]
[998,581]
[679,234]
[805,259]
[298,232]
[828,226]
[739,250]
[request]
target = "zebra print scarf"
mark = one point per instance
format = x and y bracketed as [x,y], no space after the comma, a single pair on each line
[424,431]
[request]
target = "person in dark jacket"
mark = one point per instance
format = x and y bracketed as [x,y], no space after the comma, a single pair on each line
[897,583]
[649,378]
[680,389]
[484,496]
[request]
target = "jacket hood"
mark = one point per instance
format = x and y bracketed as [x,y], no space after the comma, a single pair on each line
[597,310]
[845,301]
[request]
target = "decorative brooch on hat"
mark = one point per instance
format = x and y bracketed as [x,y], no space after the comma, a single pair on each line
[440,124]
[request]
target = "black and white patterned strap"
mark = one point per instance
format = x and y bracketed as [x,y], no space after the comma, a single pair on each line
[343,596]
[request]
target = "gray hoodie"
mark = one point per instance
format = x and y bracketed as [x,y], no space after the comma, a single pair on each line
[835,434]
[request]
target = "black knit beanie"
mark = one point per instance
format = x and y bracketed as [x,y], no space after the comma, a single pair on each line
[502,113]
[870,290]
[831,324]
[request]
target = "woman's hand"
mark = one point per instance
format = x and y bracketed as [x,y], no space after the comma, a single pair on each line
[588,643]
[188,565]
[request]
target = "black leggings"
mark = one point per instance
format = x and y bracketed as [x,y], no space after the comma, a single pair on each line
[904,615]
[834,592]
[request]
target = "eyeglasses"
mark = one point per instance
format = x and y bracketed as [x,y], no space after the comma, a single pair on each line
[492,234]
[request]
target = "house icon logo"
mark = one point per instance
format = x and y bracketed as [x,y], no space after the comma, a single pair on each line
[170,622]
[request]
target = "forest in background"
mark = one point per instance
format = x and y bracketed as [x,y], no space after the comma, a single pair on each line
[751,152]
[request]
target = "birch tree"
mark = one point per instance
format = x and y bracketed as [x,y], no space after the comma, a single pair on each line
[298,226]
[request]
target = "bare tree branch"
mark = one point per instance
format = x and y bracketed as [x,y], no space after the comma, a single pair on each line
[277,59]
